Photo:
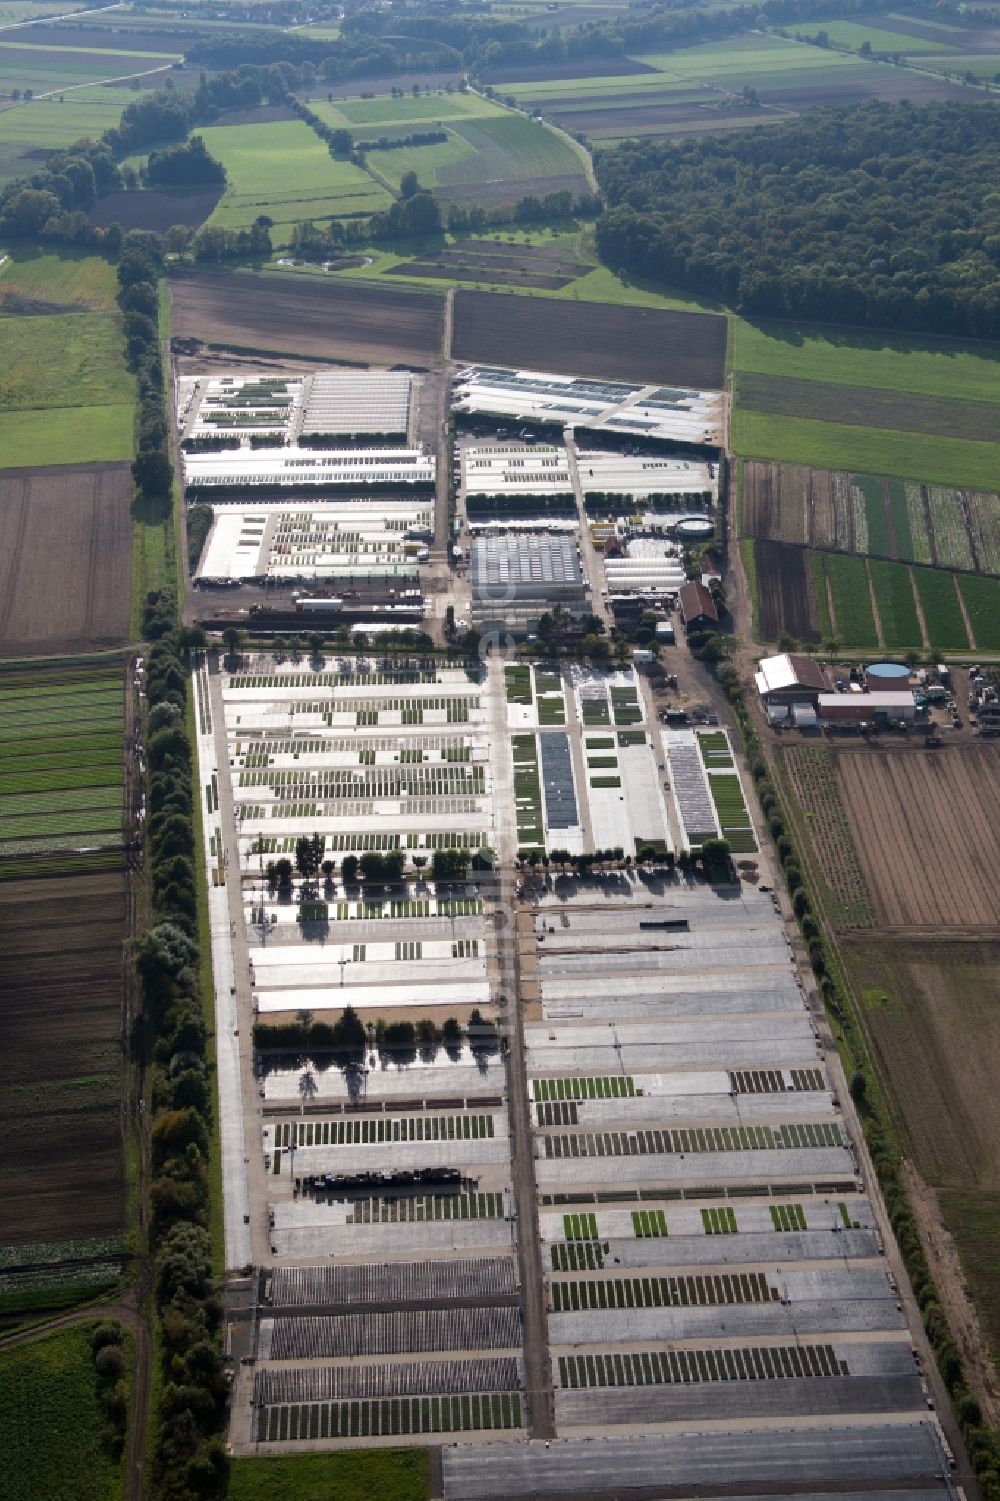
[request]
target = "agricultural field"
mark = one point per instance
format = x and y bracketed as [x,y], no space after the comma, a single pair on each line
[49,70]
[63,914]
[491,154]
[54,280]
[71,365]
[28,132]
[873,515]
[810,774]
[881,38]
[982,606]
[787,603]
[861,406]
[941,609]
[930,1004]
[54,1423]
[282,169]
[61,734]
[940,871]
[631,344]
[60,1082]
[155,210]
[697,89]
[500,263]
[338,322]
[942,443]
[897,612]
[65,558]
[852,606]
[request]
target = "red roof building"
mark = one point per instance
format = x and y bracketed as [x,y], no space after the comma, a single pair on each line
[697,606]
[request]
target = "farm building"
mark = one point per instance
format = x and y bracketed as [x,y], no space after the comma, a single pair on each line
[303,471]
[791,679]
[697,606]
[866,708]
[507,470]
[349,540]
[657,412]
[240,406]
[516,579]
[352,403]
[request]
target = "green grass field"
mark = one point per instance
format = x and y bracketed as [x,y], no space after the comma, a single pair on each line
[65,394]
[49,123]
[52,1444]
[942,613]
[889,362]
[832,445]
[852,606]
[854,34]
[426,161]
[896,608]
[421,113]
[750,59]
[486,144]
[65,278]
[48,70]
[982,604]
[282,169]
[354,1475]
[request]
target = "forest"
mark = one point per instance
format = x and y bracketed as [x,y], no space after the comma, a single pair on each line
[879,214]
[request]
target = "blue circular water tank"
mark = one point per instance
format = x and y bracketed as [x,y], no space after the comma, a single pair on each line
[888,672]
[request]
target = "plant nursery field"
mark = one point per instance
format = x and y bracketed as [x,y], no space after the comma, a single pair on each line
[53,1425]
[61,736]
[874,515]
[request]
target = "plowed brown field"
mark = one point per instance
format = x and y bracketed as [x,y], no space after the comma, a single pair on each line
[309,315]
[925,829]
[61,1167]
[784,592]
[591,338]
[65,557]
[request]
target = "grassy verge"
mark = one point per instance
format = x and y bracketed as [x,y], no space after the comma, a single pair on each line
[352,1475]
[155,554]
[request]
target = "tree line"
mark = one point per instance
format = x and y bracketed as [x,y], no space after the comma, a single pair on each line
[189,1458]
[880,214]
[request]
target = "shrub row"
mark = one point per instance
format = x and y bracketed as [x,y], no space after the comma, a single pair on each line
[349,1037]
[199,524]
